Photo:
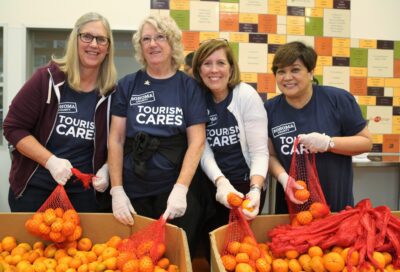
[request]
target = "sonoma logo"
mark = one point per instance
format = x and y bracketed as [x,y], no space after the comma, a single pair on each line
[283,129]
[67,107]
[142,98]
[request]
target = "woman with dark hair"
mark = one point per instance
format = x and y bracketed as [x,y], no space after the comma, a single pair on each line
[327,120]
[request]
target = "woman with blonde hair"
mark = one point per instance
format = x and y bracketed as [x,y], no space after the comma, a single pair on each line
[59,120]
[157,132]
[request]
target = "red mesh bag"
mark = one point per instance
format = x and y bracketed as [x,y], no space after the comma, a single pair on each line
[303,168]
[56,220]
[240,244]
[146,244]
[86,179]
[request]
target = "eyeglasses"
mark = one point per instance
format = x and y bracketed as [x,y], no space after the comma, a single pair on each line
[88,38]
[157,38]
[217,39]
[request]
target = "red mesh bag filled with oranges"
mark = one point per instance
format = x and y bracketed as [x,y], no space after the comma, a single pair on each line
[303,170]
[145,247]
[56,220]
[240,246]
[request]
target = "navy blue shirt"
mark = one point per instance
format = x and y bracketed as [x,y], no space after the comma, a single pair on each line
[72,137]
[158,107]
[331,111]
[223,137]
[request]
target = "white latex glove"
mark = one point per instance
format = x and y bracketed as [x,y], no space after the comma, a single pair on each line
[254,196]
[176,203]
[290,186]
[121,205]
[315,142]
[60,169]
[101,180]
[224,187]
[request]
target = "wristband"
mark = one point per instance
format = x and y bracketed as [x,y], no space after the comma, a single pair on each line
[254,187]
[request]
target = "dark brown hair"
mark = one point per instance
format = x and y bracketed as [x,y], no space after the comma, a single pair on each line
[288,53]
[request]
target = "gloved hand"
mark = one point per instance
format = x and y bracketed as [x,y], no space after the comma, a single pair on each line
[224,187]
[60,169]
[101,180]
[176,203]
[121,205]
[289,186]
[315,142]
[254,196]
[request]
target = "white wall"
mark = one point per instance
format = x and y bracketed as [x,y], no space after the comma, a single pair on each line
[370,19]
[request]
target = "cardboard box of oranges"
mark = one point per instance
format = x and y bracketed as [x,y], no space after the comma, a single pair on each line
[101,227]
[260,226]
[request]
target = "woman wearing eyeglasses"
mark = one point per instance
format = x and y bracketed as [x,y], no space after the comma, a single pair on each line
[59,120]
[236,154]
[157,132]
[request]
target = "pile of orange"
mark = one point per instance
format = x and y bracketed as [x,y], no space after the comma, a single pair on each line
[316,211]
[246,256]
[79,256]
[147,256]
[55,225]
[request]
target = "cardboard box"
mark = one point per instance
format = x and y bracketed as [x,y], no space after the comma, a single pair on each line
[100,227]
[260,226]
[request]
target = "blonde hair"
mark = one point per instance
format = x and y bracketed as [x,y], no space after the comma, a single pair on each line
[70,63]
[164,25]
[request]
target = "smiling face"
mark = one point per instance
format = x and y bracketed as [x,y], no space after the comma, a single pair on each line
[156,50]
[91,55]
[294,81]
[215,72]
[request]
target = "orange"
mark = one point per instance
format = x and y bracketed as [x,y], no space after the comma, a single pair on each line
[146,264]
[379,258]
[255,253]
[234,200]
[337,249]
[315,251]
[229,262]
[68,228]
[233,247]
[262,265]
[302,183]
[294,265]
[50,251]
[111,263]
[114,241]
[8,243]
[354,258]
[243,267]
[333,262]
[242,258]
[123,258]
[304,261]
[158,250]
[319,210]
[317,264]
[304,217]
[302,194]
[49,216]
[388,257]
[85,244]
[173,268]
[245,248]
[163,263]
[291,254]
[71,215]
[245,205]
[131,266]
[280,265]
[249,240]
[109,252]
[76,234]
